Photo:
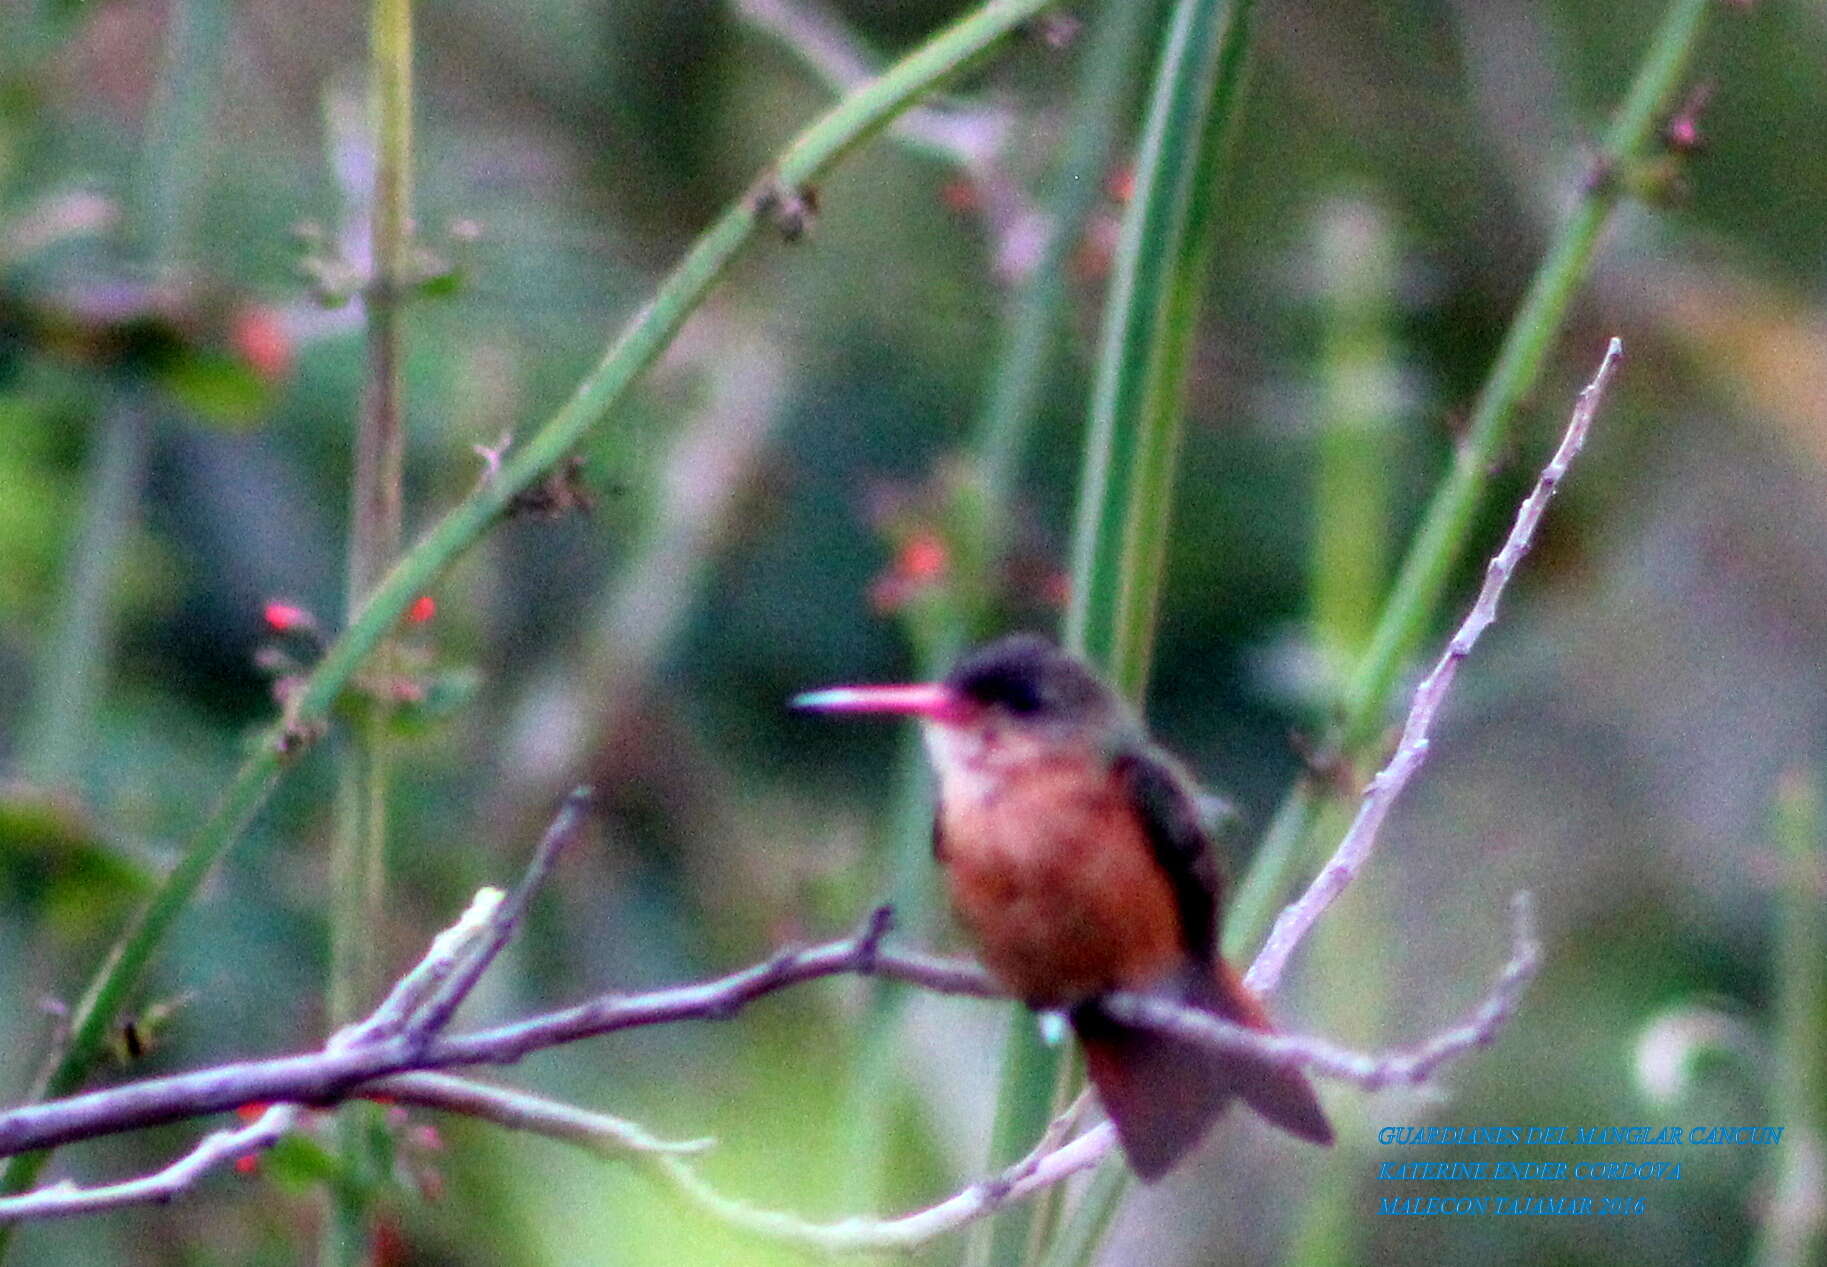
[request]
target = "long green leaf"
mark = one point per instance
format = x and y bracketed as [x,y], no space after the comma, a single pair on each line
[1131,457]
[1027,346]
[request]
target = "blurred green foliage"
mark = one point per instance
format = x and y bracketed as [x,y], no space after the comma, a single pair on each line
[1616,749]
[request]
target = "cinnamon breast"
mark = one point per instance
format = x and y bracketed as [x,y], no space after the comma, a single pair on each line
[1051,874]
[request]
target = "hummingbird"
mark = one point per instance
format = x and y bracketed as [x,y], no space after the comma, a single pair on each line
[1077,861]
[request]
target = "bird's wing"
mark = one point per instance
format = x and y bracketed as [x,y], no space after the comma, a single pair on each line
[1182,850]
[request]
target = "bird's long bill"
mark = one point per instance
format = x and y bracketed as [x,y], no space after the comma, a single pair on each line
[933,701]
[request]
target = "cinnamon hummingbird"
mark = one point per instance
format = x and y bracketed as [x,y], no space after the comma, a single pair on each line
[1077,862]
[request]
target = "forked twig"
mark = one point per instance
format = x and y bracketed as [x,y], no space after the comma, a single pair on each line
[1360,839]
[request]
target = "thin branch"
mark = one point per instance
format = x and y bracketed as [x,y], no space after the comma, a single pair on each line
[1051,1161]
[1034,1173]
[1407,1066]
[219,1148]
[368,1061]
[609,1137]
[612,1138]
[1294,923]
[440,964]
[449,949]
[327,1076]
[431,1019]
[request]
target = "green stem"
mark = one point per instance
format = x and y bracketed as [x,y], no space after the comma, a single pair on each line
[1027,344]
[835,134]
[74,660]
[1351,529]
[173,158]
[1031,331]
[1352,494]
[1132,451]
[1445,534]
[1125,499]
[1792,1231]
[358,863]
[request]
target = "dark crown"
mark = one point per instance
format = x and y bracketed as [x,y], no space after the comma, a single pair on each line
[1027,676]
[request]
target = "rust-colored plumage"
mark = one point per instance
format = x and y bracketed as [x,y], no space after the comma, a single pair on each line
[1076,861]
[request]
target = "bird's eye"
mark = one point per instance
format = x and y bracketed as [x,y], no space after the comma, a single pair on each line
[1021,699]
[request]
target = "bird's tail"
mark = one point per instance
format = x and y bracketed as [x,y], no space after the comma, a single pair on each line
[1162,1092]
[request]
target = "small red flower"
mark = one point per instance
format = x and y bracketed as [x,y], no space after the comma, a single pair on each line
[962,197]
[260,339]
[251,1110]
[287,618]
[922,558]
[921,562]
[423,608]
[247,1165]
[1121,183]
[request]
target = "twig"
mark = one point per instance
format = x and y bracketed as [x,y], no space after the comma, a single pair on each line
[1403,1067]
[431,1019]
[906,1232]
[327,1076]
[436,969]
[61,1200]
[218,1148]
[970,138]
[369,1061]
[1293,924]
[609,1137]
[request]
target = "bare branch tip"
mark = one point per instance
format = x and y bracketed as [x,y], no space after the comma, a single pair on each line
[875,930]
[1526,936]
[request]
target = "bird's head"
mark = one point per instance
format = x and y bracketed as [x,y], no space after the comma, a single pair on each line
[1013,700]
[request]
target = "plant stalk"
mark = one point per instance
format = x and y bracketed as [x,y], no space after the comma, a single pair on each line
[358,864]
[73,662]
[1347,572]
[1131,458]
[1026,352]
[1792,1227]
